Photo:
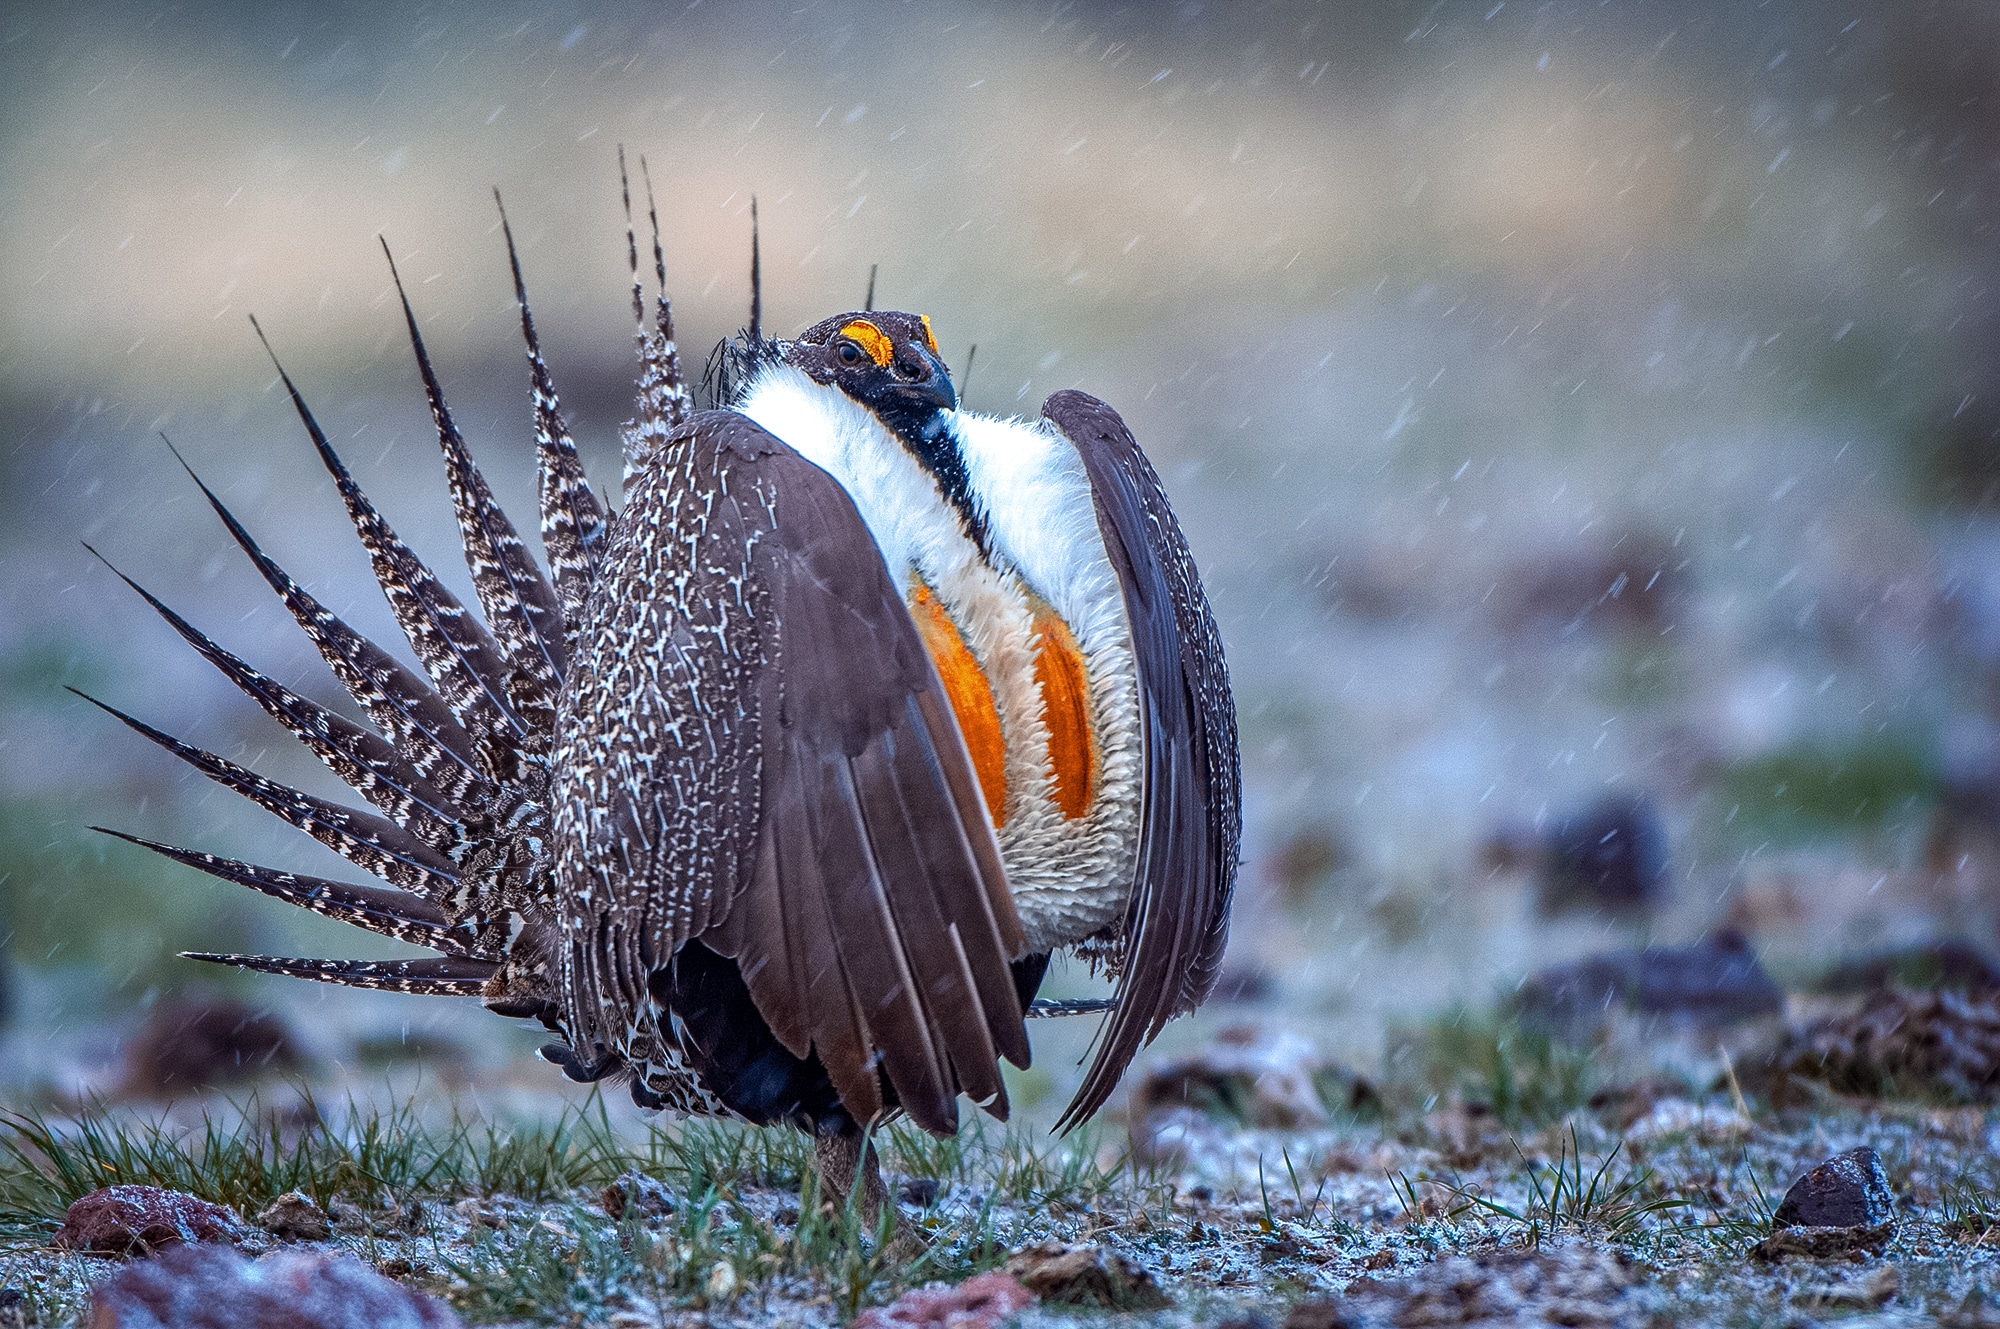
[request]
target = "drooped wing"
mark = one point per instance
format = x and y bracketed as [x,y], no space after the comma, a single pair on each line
[1178,920]
[756,751]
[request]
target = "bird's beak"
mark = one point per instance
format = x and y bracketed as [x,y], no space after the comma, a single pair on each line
[937,390]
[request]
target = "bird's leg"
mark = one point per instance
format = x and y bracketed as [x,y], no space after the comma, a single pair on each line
[848,1157]
[843,1157]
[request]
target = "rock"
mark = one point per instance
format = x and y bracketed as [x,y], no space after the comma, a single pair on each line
[1938,1045]
[1938,964]
[1609,855]
[192,1044]
[1305,860]
[1716,981]
[1085,1275]
[294,1217]
[1632,584]
[1848,1190]
[1840,1209]
[136,1220]
[1859,1294]
[481,1213]
[982,1302]
[347,1216]
[219,1289]
[1972,1313]
[637,1192]
[1248,1320]
[1273,1250]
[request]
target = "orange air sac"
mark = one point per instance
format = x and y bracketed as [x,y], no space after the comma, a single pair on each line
[1065,688]
[971,698]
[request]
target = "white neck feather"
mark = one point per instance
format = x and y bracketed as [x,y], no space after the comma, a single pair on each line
[899,500]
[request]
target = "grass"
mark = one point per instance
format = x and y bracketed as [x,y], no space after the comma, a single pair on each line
[245,1157]
[1969,1209]
[1753,1214]
[730,1233]
[1524,1077]
[1804,794]
[1565,1195]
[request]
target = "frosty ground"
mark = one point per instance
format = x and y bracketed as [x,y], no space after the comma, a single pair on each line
[1488,1176]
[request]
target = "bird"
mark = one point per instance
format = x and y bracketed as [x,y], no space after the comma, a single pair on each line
[775,794]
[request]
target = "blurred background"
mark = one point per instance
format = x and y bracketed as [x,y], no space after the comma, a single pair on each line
[1587,416]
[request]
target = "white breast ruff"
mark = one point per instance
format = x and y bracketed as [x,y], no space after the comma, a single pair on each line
[1069,878]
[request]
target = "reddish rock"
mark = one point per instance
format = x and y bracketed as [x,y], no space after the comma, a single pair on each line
[1320,1313]
[213,1288]
[977,1303]
[136,1220]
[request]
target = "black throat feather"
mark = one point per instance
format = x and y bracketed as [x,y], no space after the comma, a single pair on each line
[926,431]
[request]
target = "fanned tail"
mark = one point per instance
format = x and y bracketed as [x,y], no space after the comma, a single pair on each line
[422,726]
[455,766]
[365,839]
[574,526]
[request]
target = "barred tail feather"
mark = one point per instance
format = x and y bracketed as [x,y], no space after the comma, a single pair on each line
[366,762]
[672,398]
[449,977]
[365,839]
[520,605]
[398,915]
[424,730]
[663,399]
[573,522]
[453,646]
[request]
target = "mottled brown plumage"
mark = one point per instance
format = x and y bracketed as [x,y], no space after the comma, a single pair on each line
[699,800]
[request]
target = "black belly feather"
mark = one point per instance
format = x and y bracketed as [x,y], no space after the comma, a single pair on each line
[733,1053]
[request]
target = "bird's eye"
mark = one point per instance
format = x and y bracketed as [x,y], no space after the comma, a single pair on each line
[848,352]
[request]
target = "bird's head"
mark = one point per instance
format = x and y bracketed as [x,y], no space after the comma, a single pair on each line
[888,362]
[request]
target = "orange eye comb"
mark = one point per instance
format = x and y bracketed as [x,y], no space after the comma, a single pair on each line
[870,339]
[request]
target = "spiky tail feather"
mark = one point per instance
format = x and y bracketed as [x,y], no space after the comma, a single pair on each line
[664,400]
[448,977]
[516,597]
[455,765]
[573,521]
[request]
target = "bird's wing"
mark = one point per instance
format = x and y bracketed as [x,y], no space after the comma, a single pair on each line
[1178,920]
[756,751]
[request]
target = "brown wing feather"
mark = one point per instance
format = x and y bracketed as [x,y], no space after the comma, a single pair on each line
[1178,920]
[782,780]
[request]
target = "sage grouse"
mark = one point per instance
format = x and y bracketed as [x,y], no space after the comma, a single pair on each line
[776,795]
